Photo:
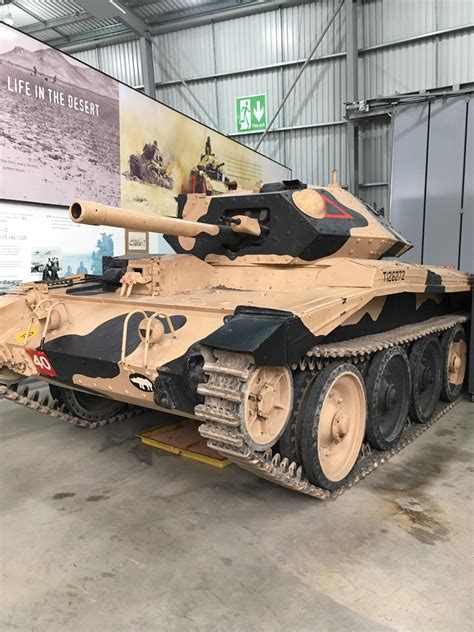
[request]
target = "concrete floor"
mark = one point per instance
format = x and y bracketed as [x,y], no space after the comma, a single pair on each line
[101,533]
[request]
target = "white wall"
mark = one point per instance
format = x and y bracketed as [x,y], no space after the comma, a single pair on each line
[33,232]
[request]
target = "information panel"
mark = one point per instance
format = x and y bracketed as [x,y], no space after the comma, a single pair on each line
[68,130]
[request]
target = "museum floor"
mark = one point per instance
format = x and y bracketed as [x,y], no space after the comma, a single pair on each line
[99,533]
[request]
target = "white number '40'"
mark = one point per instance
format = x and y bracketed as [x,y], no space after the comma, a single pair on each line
[42,362]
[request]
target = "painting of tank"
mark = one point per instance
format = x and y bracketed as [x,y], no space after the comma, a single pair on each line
[70,131]
[164,153]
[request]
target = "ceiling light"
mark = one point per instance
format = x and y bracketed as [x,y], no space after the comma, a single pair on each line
[117,6]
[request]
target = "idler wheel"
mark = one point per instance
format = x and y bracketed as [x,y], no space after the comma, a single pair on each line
[388,397]
[426,375]
[333,425]
[267,400]
[454,359]
[288,446]
[85,405]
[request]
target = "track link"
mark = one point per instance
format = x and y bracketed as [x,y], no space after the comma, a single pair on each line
[49,406]
[223,415]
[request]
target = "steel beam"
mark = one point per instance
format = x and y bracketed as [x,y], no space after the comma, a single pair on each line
[383,106]
[198,10]
[218,11]
[465,28]
[45,25]
[105,36]
[291,128]
[246,71]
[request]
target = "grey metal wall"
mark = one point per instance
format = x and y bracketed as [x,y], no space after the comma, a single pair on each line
[432,181]
[404,45]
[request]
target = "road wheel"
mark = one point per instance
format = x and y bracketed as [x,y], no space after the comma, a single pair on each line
[288,445]
[87,406]
[454,361]
[425,365]
[388,397]
[333,425]
[267,402]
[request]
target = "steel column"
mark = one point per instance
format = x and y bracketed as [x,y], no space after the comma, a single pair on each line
[352,90]
[146,56]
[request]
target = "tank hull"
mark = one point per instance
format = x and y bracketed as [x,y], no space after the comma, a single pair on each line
[236,309]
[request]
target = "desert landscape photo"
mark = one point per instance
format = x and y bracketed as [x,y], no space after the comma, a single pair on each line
[59,126]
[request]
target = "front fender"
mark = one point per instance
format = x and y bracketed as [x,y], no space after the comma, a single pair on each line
[272,337]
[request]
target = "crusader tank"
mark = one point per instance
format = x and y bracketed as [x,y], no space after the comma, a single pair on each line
[149,167]
[284,323]
[208,177]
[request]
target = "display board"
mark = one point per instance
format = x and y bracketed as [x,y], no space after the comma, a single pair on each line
[69,131]
[43,243]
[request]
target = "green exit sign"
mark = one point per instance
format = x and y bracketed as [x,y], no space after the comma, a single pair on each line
[251,113]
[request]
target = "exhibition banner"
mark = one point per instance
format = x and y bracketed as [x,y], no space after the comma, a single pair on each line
[68,131]
[43,244]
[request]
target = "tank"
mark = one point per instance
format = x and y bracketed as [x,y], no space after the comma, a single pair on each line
[284,322]
[149,167]
[208,176]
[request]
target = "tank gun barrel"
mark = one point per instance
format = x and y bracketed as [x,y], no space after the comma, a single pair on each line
[85,212]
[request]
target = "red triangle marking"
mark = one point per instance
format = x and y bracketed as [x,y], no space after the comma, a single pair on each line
[342,213]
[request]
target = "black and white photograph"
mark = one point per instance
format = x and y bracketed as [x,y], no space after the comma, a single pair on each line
[59,125]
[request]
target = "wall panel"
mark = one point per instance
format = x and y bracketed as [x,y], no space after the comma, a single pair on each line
[190,52]
[444,182]
[320,97]
[454,13]
[122,61]
[455,59]
[248,42]
[302,25]
[90,57]
[388,20]
[179,98]
[402,69]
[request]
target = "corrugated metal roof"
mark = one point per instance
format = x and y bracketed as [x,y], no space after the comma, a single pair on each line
[47,36]
[29,12]
[19,17]
[50,9]
[44,10]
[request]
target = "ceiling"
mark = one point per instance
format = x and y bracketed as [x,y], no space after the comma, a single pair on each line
[78,23]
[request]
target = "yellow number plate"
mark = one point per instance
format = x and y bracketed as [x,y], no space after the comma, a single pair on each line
[21,337]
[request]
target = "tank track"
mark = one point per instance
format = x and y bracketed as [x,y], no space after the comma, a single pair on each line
[222,409]
[49,406]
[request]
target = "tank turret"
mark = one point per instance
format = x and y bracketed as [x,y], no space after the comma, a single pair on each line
[283,222]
